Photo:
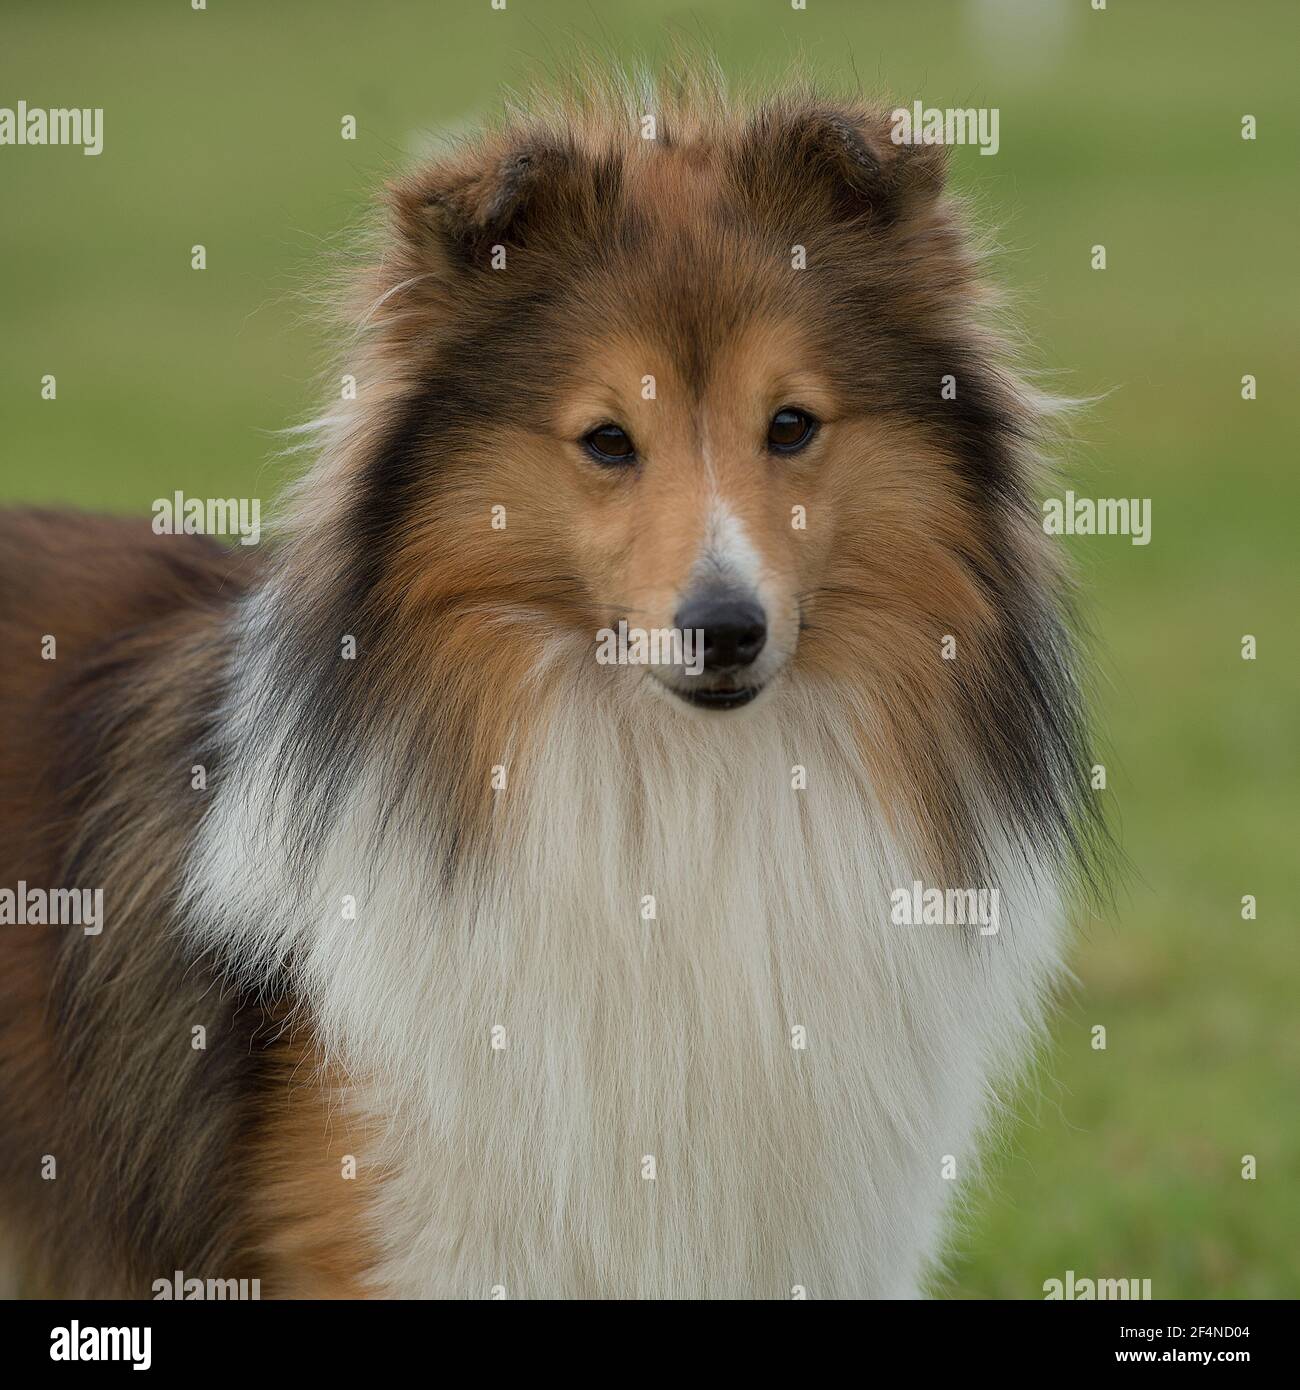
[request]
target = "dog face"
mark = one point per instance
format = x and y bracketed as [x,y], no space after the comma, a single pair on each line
[687,496]
[710,408]
[726,380]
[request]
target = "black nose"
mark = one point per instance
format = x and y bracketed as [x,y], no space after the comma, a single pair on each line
[735,628]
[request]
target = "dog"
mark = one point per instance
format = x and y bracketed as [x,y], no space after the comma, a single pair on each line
[439,957]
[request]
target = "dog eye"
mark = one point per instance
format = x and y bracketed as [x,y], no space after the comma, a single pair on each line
[610,444]
[790,430]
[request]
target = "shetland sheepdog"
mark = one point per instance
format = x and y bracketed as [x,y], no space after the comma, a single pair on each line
[440,957]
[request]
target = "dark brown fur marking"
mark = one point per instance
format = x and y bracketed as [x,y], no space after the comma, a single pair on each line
[161,1149]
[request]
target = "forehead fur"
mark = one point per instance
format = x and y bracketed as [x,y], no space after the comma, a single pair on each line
[681,218]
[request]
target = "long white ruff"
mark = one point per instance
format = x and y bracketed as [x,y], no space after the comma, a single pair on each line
[645,1125]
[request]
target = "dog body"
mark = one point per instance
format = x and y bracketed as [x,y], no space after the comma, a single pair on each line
[518,973]
[779,1162]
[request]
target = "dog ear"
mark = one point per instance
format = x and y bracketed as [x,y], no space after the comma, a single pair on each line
[843,155]
[484,198]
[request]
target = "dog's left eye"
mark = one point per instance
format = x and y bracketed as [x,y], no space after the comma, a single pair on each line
[610,444]
[790,430]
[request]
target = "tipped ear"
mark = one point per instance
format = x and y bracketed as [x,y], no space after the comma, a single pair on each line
[846,153]
[485,198]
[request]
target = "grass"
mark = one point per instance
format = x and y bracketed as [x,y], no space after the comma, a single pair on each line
[1120,127]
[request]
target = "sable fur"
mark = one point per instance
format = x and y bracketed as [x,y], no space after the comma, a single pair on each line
[373,778]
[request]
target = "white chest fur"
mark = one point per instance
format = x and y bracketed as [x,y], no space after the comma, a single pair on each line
[757,1089]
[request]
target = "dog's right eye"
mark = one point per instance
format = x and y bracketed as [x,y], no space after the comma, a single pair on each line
[610,444]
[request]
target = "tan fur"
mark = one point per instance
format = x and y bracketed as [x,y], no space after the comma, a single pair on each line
[313,1239]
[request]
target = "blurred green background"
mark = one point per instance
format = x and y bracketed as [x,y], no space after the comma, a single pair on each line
[1119,127]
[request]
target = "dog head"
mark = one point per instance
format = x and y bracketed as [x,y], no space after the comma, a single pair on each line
[710,370]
